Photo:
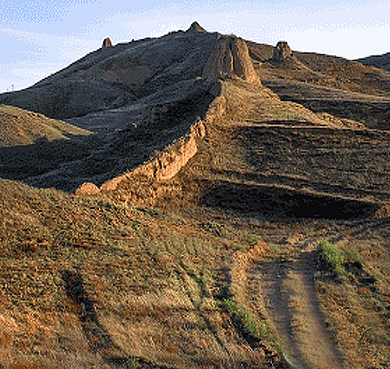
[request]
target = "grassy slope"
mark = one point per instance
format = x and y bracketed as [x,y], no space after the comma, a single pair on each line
[21,127]
[85,282]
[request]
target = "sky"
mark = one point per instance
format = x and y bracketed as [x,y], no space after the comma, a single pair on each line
[40,37]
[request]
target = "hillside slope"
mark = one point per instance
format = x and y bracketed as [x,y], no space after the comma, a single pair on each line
[108,280]
[137,97]
[295,180]
[255,237]
[325,83]
[141,96]
[20,127]
[112,77]
[379,61]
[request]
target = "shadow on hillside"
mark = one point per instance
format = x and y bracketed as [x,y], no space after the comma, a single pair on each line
[276,179]
[375,115]
[97,336]
[274,202]
[66,164]
[22,162]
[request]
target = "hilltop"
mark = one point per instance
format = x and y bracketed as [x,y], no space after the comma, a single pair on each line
[231,210]
[379,61]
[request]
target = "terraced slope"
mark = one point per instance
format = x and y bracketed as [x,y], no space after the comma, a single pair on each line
[324,83]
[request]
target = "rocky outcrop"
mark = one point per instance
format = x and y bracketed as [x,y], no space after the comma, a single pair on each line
[196,27]
[242,63]
[230,58]
[107,43]
[282,51]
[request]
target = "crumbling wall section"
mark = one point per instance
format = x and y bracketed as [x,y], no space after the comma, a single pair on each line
[167,164]
[230,58]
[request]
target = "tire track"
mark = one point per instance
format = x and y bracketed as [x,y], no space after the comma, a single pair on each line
[287,287]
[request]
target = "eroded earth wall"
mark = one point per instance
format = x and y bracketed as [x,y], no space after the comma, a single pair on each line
[168,163]
[230,57]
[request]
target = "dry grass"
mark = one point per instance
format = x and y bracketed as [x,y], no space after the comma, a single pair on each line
[358,307]
[143,280]
[21,127]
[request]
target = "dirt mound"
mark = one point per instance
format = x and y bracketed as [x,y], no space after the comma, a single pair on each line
[196,27]
[230,57]
[282,51]
[87,188]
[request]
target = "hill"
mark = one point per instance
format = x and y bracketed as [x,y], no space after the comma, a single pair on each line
[21,127]
[244,229]
[141,96]
[112,77]
[379,61]
[137,97]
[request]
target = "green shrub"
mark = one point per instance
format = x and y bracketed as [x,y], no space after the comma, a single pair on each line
[334,256]
[250,238]
[257,328]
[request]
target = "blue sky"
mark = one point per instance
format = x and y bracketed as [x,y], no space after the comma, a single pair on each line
[39,37]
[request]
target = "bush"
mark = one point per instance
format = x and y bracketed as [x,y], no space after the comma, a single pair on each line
[255,327]
[335,257]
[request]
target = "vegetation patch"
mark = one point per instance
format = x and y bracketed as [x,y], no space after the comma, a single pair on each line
[335,257]
[254,329]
